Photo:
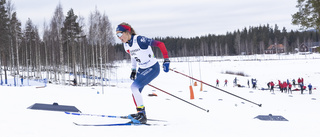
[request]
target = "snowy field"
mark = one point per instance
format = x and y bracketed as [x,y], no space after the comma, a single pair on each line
[228,116]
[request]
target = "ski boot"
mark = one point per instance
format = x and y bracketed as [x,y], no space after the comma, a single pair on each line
[140,117]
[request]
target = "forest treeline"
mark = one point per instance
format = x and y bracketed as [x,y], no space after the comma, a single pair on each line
[71,44]
[248,41]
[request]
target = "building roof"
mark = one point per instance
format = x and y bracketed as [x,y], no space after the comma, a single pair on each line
[279,46]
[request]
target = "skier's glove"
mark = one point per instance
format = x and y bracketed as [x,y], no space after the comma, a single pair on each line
[165,65]
[133,74]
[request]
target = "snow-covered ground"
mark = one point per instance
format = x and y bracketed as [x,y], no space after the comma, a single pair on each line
[228,116]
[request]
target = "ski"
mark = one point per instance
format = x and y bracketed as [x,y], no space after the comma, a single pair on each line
[117,124]
[107,116]
[97,115]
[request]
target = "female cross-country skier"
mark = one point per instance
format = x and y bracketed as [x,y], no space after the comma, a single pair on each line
[139,48]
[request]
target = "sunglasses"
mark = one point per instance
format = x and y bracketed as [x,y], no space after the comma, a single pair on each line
[119,34]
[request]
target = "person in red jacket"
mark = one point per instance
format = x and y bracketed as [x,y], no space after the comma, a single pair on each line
[217,83]
[281,86]
[284,86]
[226,82]
[271,85]
[289,88]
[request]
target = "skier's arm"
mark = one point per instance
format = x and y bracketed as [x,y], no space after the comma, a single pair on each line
[133,60]
[133,67]
[144,42]
[164,52]
[162,47]
[133,63]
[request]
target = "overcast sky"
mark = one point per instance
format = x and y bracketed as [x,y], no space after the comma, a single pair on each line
[185,18]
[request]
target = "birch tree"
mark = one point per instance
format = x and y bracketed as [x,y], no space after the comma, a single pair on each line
[56,25]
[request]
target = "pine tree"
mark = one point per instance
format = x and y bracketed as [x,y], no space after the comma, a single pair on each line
[4,38]
[308,15]
[16,34]
[70,32]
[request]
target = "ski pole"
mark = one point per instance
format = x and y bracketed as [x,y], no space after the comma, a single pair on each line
[179,98]
[107,116]
[215,87]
